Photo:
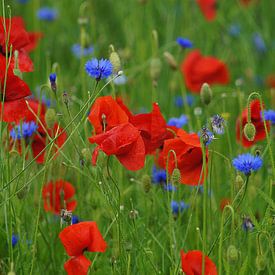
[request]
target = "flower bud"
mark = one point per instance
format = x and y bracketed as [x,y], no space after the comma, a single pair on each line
[170,60]
[155,68]
[249,131]
[146,182]
[52,79]
[23,193]
[175,178]
[82,21]
[239,182]
[50,117]
[206,94]
[232,254]
[115,60]
[133,214]
[261,262]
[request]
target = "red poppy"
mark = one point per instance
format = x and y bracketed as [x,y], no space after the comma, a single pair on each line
[208,8]
[20,39]
[189,157]
[77,238]
[106,114]
[224,202]
[153,128]
[40,139]
[270,81]
[256,119]
[58,195]
[191,263]
[125,142]
[12,91]
[198,69]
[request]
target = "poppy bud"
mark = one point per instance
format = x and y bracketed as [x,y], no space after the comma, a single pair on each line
[23,193]
[260,262]
[239,182]
[206,94]
[146,182]
[197,111]
[86,154]
[175,178]
[16,69]
[155,68]
[50,117]
[170,60]
[232,254]
[249,131]
[133,214]
[115,60]
[82,21]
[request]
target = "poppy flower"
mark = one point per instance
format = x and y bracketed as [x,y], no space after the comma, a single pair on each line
[191,263]
[106,114]
[189,157]
[256,120]
[208,8]
[20,39]
[152,128]
[270,81]
[224,202]
[40,138]
[198,69]
[58,195]
[14,106]
[78,238]
[125,142]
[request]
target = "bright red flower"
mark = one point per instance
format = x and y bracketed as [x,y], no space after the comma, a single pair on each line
[256,119]
[106,114]
[198,69]
[153,128]
[58,195]
[208,8]
[191,263]
[12,92]
[224,202]
[77,238]
[20,39]
[270,81]
[125,142]
[189,157]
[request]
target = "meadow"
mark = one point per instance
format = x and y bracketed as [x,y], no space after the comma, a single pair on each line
[137,137]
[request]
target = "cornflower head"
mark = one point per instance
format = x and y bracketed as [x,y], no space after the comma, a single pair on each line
[247,163]
[178,121]
[270,115]
[47,14]
[24,130]
[99,69]
[78,51]
[184,42]
[206,135]
[218,123]
[178,207]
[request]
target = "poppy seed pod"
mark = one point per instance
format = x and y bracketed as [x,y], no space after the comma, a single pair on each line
[115,60]
[146,183]
[232,254]
[249,131]
[261,262]
[50,117]
[206,94]
[155,68]
[170,60]
[175,178]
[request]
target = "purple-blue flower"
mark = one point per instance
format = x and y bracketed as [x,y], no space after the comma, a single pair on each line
[247,224]
[218,124]
[234,30]
[78,51]
[24,130]
[206,135]
[247,163]
[99,69]
[259,43]
[178,121]
[75,219]
[158,175]
[14,240]
[270,115]
[179,101]
[47,14]
[184,42]
[178,207]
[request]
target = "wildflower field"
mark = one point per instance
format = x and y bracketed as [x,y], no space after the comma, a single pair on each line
[137,137]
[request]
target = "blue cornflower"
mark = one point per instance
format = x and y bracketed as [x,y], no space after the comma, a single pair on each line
[234,30]
[52,78]
[158,175]
[47,14]
[178,207]
[218,123]
[179,101]
[259,80]
[206,135]
[184,42]
[46,101]
[75,219]
[99,69]
[14,240]
[178,121]
[270,115]
[25,130]
[247,224]
[259,43]
[78,51]
[169,187]
[246,163]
